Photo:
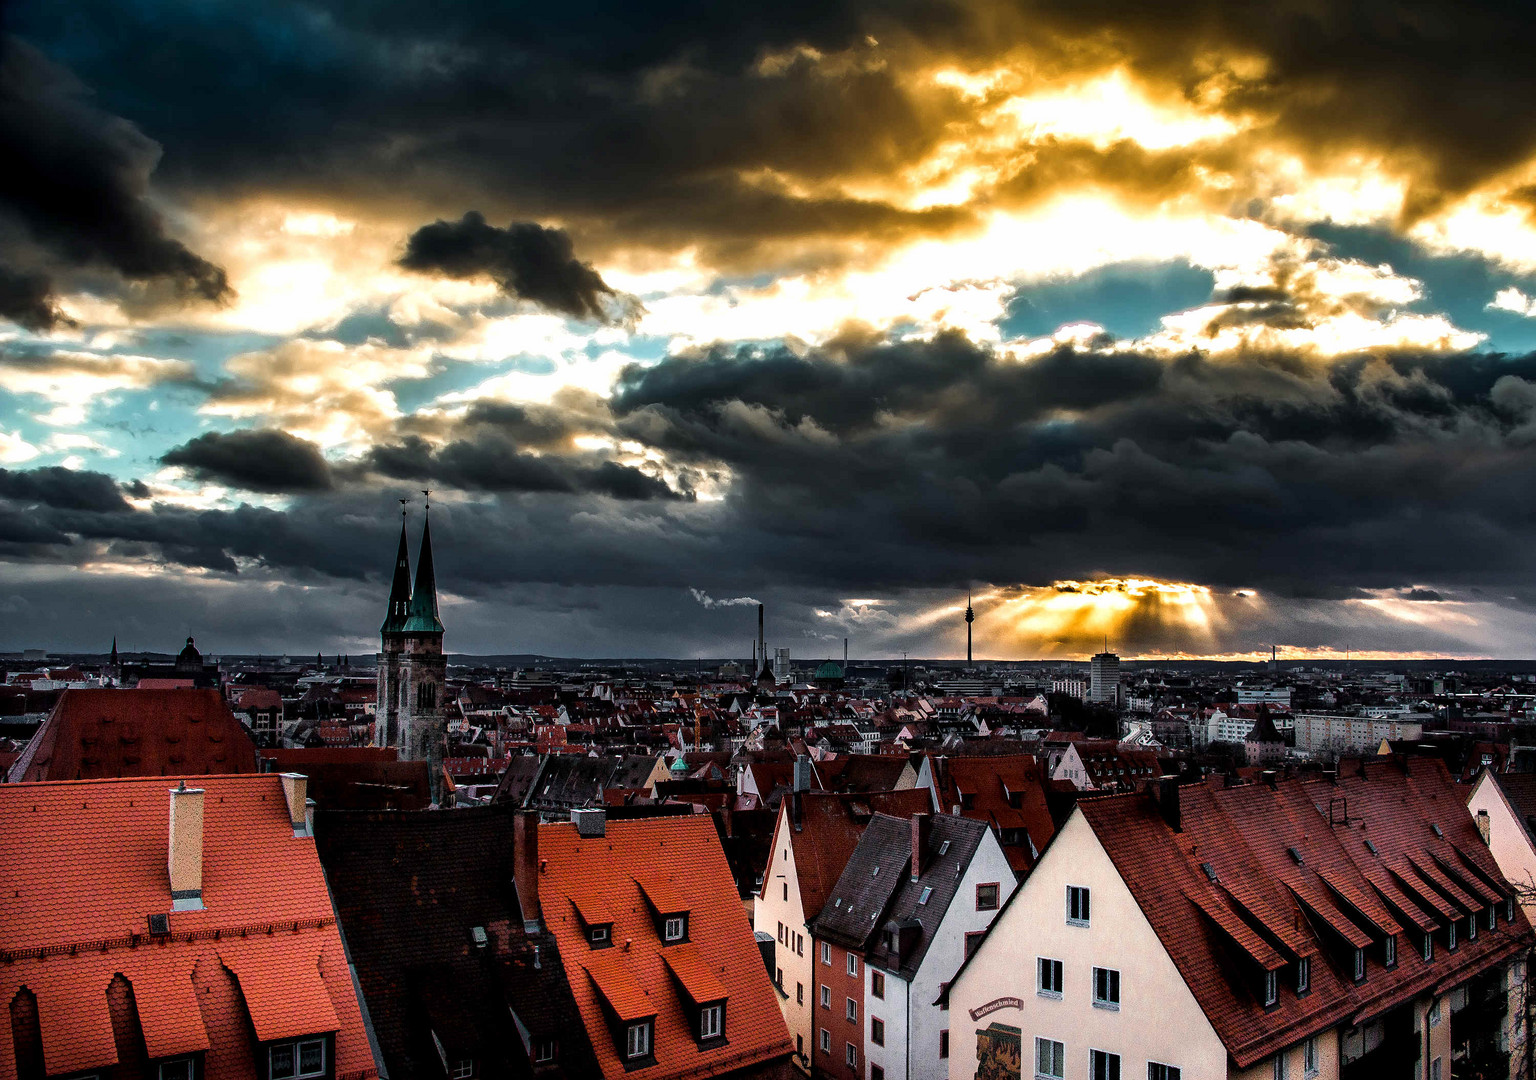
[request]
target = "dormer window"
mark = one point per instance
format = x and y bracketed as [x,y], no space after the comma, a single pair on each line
[1359,965]
[1271,987]
[1303,975]
[638,1040]
[1429,948]
[711,1022]
[296,1059]
[1472,927]
[462,1069]
[182,1068]
[545,1051]
[675,928]
[601,935]
[1450,934]
[1389,951]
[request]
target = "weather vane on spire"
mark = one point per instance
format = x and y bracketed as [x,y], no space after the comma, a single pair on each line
[427,496]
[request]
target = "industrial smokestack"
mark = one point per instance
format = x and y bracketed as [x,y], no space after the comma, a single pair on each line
[845,656]
[762,642]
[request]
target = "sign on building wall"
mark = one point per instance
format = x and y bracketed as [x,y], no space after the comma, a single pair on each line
[998,1053]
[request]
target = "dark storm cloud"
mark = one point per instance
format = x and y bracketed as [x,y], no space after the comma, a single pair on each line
[74,194]
[525,260]
[63,489]
[262,460]
[491,462]
[27,299]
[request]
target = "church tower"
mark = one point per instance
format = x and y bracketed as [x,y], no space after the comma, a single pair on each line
[412,668]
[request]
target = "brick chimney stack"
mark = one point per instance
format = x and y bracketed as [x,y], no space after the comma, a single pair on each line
[922,828]
[525,867]
[295,793]
[184,859]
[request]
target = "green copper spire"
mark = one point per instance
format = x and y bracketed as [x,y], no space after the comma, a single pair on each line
[400,590]
[423,618]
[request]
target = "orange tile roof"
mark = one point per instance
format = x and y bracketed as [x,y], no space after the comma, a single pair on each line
[95,734]
[281,982]
[1242,844]
[698,978]
[681,853]
[82,865]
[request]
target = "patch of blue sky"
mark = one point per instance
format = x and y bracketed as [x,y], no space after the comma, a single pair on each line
[1459,286]
[1128,299]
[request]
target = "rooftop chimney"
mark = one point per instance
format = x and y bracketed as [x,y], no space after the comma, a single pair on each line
[922,828]
[1167,793]
[1270,777]
[296,793]
[590,821]
[802,776]
[1484,826]
[525,866]
[185,857]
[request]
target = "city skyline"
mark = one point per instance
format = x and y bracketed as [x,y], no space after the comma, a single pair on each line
[1204,332]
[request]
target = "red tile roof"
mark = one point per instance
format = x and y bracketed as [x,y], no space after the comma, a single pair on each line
[827,830]
[82,865]
[1007,792]
[635,975]
[94,734]
[1279,871]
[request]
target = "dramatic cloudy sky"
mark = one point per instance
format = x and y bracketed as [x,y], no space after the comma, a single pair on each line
[1202,326]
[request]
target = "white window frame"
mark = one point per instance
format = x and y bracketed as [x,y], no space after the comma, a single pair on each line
[1389,951]
[711,1021]
[1271,988]
[1450,935]
[1303,974]
[1111,1065]
[853,965]
[189,1062]
[824,1040]
[826,953]
[545,1051]
[637,1040]
[1083,893]
[826,996]
[296,1048]
[599,935]
[851,1011]
[850,1055]
[681,925]
[1428,952]
[462,1069]
[1058,1052]
[1057,968]
[1111,997]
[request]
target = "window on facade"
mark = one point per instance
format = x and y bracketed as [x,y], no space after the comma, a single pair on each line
[462,1069]
[973,941]
[851,1055]
[299,1058]
[545,1051]
[1050,1059]
[986,897]
[778,978]
[1106,988]
[799,944]
[1434,1014]
[826,997]
[786,891]
[179,1069]
[826,1041]
[1277,1067]
[1309,1057]
[1434,1069]
[638,1044]
[711,1021]
[853,965]
[1156,1070]
[826,953]
[1049,981]
[877,1031]
[426,696]
[1077,905]
[1303,974]
[1271,987]
[876,1073]
[877,984]
[799,993]
[674,929]
[1103,1065]
[944,1043]
[851,1011]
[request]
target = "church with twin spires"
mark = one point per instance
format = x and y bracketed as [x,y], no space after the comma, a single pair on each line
[412,668]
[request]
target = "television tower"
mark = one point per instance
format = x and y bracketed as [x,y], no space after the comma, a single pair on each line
[970,617]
